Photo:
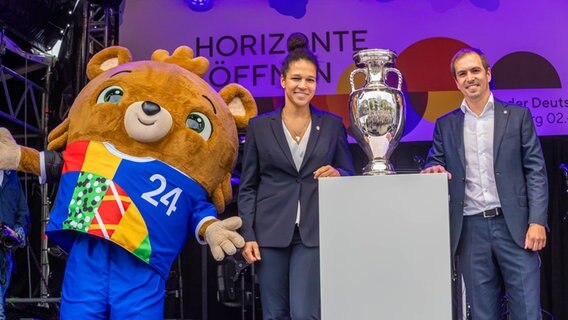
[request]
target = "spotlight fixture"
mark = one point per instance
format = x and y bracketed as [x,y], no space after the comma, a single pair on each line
[199,5]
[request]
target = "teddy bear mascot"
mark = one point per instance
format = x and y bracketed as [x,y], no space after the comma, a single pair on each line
[143,161]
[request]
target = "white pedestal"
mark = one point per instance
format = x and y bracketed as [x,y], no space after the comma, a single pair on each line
[385,248]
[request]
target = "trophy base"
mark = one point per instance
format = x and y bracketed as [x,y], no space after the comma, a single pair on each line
[378,168]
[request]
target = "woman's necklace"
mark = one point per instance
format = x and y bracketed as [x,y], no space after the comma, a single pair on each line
[297,131]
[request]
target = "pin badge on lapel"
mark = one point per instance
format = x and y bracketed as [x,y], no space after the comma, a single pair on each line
[505,111]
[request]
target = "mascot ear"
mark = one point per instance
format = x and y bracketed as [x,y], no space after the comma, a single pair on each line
[107,59]
[240,102]
[222,195]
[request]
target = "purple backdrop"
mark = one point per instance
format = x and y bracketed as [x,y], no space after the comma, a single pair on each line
[245,41]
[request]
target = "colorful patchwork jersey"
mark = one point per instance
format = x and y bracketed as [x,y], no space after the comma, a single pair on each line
[141,204]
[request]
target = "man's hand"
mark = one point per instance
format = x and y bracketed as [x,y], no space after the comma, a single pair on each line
[251,252]
[10,152]
[21,235]
[222,237]
[437,169]
[11,238]
[536,237]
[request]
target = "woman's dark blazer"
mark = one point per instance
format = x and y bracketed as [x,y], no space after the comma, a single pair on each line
[270,184]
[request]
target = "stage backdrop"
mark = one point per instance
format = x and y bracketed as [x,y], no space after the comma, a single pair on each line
[245,41]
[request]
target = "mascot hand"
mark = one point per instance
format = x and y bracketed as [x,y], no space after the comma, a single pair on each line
[10,152]
[222,237]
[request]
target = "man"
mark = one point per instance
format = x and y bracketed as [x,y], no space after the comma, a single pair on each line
[14,217]
[498,193]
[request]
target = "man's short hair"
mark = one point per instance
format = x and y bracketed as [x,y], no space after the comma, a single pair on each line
[464,52]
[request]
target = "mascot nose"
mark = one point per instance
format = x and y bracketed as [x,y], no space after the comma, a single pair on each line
[150,108]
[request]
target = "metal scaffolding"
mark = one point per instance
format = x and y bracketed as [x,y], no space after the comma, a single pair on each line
[100,30]
[25,103]
[15,107]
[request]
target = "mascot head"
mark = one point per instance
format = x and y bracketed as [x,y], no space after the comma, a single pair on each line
[163,109]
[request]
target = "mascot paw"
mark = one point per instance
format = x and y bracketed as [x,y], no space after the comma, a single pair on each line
[10,152]
[223,238]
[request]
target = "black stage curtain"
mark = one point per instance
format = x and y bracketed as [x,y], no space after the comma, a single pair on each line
[554,269]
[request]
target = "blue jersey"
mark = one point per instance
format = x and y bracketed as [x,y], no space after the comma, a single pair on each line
[141,204]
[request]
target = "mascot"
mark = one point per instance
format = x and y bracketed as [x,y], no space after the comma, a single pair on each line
[144,161]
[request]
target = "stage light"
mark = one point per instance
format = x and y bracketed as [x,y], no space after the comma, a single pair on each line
[36,25]
[292,8]
[199,5]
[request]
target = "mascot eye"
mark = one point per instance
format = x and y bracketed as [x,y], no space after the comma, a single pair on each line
[199,123]
[111,94]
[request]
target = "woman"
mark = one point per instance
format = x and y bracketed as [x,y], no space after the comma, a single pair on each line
[286,151]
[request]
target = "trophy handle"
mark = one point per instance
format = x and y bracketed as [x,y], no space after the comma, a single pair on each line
[352,77]
[395,70]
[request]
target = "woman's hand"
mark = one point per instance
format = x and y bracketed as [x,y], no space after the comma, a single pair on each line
[251,252]
[326,171]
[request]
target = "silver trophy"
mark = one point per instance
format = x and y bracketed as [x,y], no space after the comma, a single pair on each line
[376,110]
